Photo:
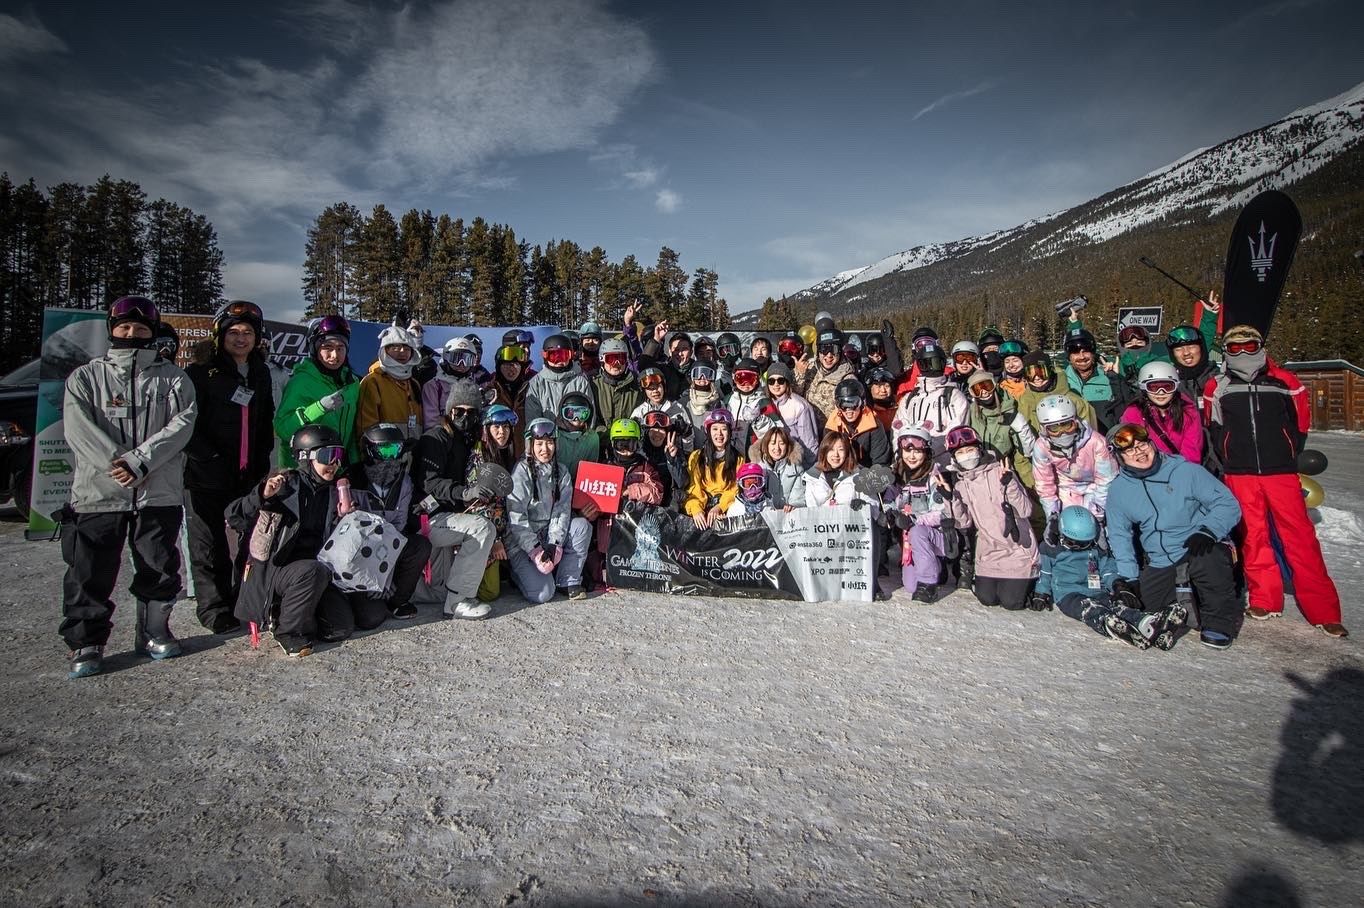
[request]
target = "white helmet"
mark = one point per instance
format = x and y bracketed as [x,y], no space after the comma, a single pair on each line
[1055,408]
[1157,370]
[456,344]
[965,347]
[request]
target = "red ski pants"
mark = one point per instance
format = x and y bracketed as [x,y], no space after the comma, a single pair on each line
[1280,497]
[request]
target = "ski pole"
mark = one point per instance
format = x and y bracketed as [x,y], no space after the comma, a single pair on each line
[1150,264]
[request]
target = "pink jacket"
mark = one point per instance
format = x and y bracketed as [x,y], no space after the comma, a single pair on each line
[978,500]
[1082,479]
[1188,440]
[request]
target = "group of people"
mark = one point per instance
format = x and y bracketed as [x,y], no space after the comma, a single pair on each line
[1143,495]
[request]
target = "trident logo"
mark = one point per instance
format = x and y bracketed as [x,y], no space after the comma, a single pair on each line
[1261,260]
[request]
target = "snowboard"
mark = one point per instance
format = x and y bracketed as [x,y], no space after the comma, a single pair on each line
[1258,258]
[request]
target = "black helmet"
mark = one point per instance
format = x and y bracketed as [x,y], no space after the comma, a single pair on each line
[312,437]
[829,335]
[327,327]
[384,441]
[824,324]
[727,339]
[238,312]
[989,336]
[931,358]
[924,331]
[167,342]
[849,393]
[874,342]
[880,375]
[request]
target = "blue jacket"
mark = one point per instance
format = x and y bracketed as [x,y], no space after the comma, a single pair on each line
[1066,571]
[1163,510]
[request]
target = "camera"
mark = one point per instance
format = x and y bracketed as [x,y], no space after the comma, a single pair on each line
[1077,304]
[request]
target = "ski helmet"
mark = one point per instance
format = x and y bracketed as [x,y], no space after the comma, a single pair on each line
[557,352]
[875,343]
[1055,408]
[1079,528]
[849,393]
[1160,373]
[614,345]
[791,345]
[237,312]
[319,442]
[625,429]
[702,372]
[990,336]
[458,352]
[511,353]
[133,309]
[719,414]
[576,407]
[746,374]
[965,347]
[915,437]
[384,441]
[500,415]
[1079,340]
[1013,348]
[922,332]
[727,344]
[541,427]
[166,342]
[1183,336]
[752,481]
[590,331]
[930,358]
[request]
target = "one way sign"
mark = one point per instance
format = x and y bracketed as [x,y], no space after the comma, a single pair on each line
[1148,317]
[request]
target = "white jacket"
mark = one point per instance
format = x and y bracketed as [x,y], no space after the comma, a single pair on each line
[937,406]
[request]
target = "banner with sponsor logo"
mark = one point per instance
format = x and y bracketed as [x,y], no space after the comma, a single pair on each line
[814,554]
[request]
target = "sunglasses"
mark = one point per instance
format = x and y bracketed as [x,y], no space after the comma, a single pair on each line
[1160,386]
[657,419]
[616,359]
[328,455]
[575,413]
[963,358]
[1128,437]
[649,382]
[777,380]
[130,306]
[1235,348]
[560,357]
[1068,427]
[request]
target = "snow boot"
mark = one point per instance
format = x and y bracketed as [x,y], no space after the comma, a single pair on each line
[1171,627]
[153,637]
[294,644]
[926,593]
[86,661]
[1130,634]
[466,609]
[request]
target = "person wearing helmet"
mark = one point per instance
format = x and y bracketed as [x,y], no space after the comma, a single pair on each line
[818,382]
[590,341]
[495,453]
[1167,521]
[704,349]
[227,456]
[462,540]
[727,348]
[1044,381]
[549,544]
[128,416]
[988,498]
[1171,418]
[989,340]
[853,418]
[881,396]
[615,387]
[640,485]
[560,375]
[1190,351]
[1258,415]
[1097,381]
[676,365]
[167,342]
[965,360]
[1071,463]
[322,389]
[712,471]
[791,350]
[1011,354]
[924,337]
[753,497]
[699,400]
[916,505]
[786,462]
[577,439]
[664,452]
[653,384]
[389,393]
[1004,431]
[747,398]
[458,361]
[511,376]
[936,404]
[1078,576]
[874,348]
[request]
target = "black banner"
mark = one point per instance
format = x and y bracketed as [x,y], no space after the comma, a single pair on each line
[1258,258]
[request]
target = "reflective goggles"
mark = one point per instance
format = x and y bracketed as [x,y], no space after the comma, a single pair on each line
[465,358]
[1131,333]
[541,428]
[729,350]
[525,338]
[1066,427]
[965,357]
[908,442]
[753,483]
[1080,345]
[962,436]
[657,419]
[1183,335]
[510,353]
[332,324]
[702,373]
[983,390]
[829,349]
[387,450]
[560,357]
[1160,386]
[789,346]
[575,413]
[134,307]
[745,378]
[1012,348]
[614,360]
[1129,436]
[651,381]
[1235,348]
[1036,370]
[327,455]
[849,403]
[242,309]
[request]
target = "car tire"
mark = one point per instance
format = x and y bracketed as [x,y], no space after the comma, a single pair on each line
[23,489]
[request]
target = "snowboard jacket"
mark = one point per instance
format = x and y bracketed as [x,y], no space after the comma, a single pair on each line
[641,483]
[1027,403]
[1014,387]
[704,484]
[1258,427]
[696,410]
[1081,476]
[746,408]
[1066,571]
[978,500]
[1162,510]
[869,439]
[678,416]
[937,406]
[300,406]
[230,449]
[539,507]
[821,489]
[796,415]
[546,390]
[819,386]
[615,399]
[1006,434]
[1186,441]
[786,477]
[384,398]
[921,498]
[575,447]
[672,474]
[511,395]
[128,404]
[1106,393]
[441,468]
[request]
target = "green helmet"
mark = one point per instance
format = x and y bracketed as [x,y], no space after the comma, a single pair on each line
[625,428]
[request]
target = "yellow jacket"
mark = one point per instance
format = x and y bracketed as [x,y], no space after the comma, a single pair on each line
[386,399]
[703,484]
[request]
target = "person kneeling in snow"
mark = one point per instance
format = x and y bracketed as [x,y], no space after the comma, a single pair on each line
[1080,578]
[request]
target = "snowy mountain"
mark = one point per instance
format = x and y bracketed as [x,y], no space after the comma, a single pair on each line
[1199,187]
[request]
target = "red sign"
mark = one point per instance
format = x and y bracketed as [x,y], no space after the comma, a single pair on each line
[599,483]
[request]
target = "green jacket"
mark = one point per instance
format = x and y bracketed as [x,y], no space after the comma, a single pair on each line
[575,447]
[993,425]
[1027,404]
[300,406]
[615,400]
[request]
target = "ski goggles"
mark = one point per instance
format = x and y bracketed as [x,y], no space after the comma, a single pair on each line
[559,357]
[1183,336]
[328,455]
[912,442]
[1131,333]
[1236,348]
[650,380]
[964,358]
[701,372]
[1065,427]
[510,353]
[462,358]
[829,349]
[753,483]
[332,324]
[575,413]
[1129,436]
[962,436]
[1160,386]
[242,309]
[541,428]
[657,419]
[1036,371]
[983,390]
[1080,345]
[525,338]
[790,346]
[503,416]
[387,450]
[745,378]
[1013,348]
[625,445]
[616,360]
[138,307]
[729,349]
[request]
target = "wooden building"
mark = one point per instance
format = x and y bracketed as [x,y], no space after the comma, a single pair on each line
[1337,389]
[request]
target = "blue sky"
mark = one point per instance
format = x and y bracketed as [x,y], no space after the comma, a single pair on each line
[778,143]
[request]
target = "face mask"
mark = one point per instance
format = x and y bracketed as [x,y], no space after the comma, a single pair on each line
[1062,442]
[1247,365]
[393,368]
[386,472]
[967,459]
[464,420]
[131,343]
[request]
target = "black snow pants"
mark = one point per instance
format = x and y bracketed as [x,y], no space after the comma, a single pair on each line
[216,575]
[1214,588]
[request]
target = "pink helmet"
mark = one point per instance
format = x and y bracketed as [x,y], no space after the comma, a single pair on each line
[752,481]
[719,414]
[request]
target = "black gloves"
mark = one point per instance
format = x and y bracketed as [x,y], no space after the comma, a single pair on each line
[1127,593]
[1200,543]
[1040,602]
[1052,534]
[1011,528]
[857,504]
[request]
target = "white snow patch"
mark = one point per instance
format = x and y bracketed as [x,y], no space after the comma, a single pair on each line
[1339,526]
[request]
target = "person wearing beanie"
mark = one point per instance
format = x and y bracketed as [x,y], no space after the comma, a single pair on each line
[1178,516]
[389,393]
[227,456]
[322,390]
[1258,415]
[1043,380]
[127,416]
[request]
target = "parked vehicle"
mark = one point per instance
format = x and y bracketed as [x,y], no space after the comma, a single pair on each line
[18,420]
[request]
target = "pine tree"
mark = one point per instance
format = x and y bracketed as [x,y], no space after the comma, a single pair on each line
[666,286]
[378,265]
[442,281]
[184,261]
[329,264]
[416,238]
[479,277]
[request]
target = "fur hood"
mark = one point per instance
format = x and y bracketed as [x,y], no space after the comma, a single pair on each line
[795,456]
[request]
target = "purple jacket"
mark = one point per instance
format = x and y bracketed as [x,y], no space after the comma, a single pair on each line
[978,500]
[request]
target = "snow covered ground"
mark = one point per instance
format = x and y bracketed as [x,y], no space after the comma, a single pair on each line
[646,749]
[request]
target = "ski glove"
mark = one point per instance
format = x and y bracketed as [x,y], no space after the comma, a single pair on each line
[1011,529]
[1040,602]
[1052,537]
[1127,593]
[333,401]
[541,560]
[1200,543]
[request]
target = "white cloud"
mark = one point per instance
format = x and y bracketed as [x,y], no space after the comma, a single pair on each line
[277,286]
[953,97]
[667,201]
[629,169]
[23,39]
[743,293]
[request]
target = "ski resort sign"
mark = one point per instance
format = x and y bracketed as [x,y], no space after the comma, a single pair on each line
[1148,317]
